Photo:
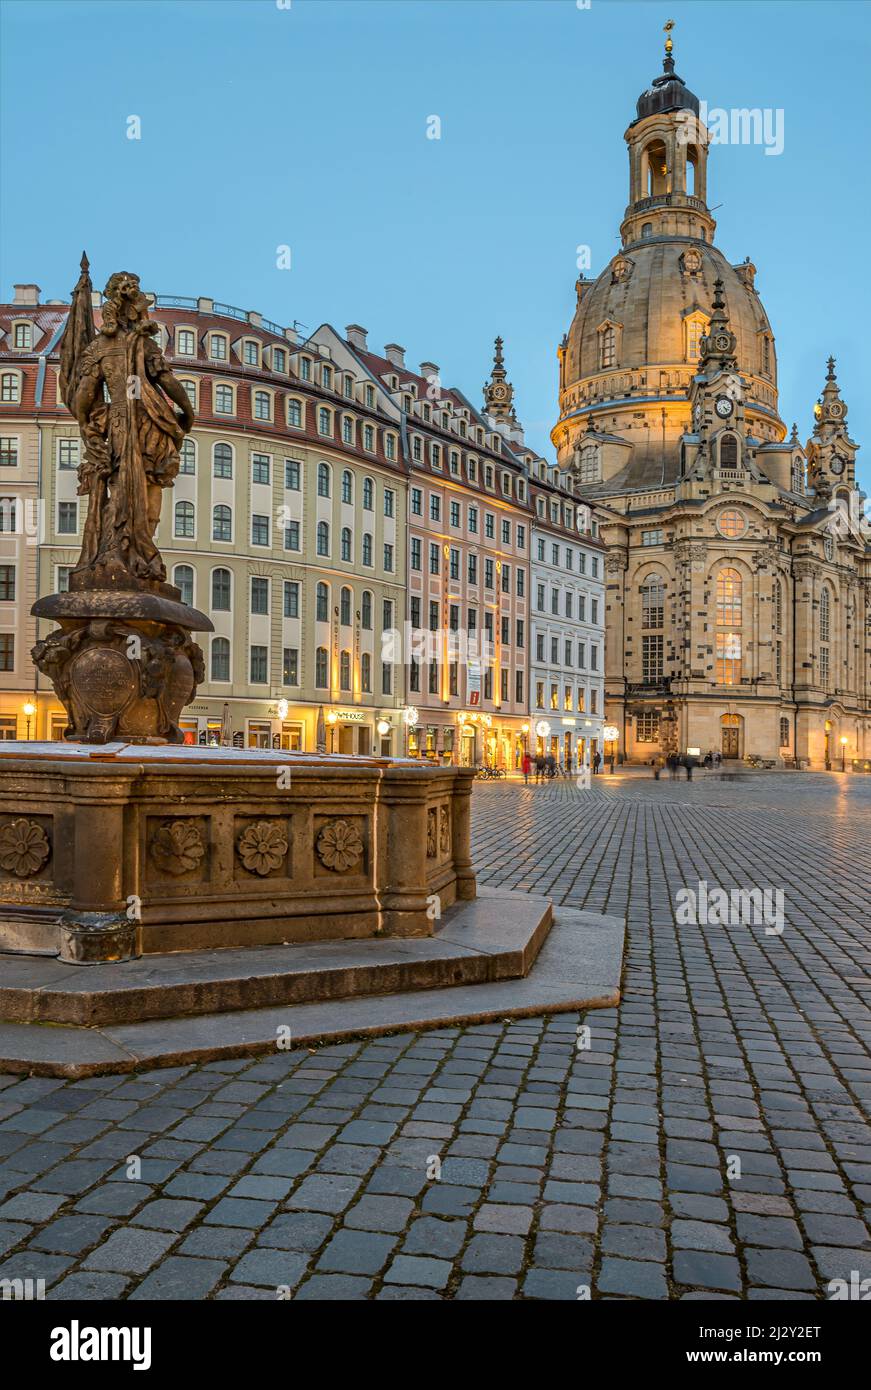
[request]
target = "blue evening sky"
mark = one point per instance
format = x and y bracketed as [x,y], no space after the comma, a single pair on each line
[306,126]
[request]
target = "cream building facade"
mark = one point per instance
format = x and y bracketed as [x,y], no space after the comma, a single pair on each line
[738,569]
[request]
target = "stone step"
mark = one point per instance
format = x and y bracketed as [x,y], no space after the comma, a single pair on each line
[496,936]
[578,968]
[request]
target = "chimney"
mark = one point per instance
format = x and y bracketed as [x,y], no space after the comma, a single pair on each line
[428,369]
[26,294]
[357,337]
[395,354]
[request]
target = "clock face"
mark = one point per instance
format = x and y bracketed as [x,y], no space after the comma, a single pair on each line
[721,342]
[837,464]
[499,391]
[723,407]
[836,410]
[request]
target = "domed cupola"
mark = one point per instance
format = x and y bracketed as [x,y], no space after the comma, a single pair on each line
[642,326]
[668,92]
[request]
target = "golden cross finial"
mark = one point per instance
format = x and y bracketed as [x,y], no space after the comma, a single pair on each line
[667,28]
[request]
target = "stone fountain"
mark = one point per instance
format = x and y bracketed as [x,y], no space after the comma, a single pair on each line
[222,898]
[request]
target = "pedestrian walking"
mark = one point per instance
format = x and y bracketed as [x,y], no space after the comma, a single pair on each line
[526,765]
[597,762]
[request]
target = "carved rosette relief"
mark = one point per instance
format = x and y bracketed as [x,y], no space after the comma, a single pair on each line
[177,847]
[339,846]
[24,847]
[262,846]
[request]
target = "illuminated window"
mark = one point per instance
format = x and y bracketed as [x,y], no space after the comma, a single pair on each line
[728,635]
[653,602]
[731,522]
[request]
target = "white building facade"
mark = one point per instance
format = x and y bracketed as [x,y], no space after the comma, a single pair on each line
[567,615]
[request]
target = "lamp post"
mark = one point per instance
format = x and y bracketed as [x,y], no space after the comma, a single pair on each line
[610,734]
[382,728]
[410,717]
[29,710]
[843,752]
[331,720]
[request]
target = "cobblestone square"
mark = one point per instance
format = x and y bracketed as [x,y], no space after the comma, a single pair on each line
[712,1141]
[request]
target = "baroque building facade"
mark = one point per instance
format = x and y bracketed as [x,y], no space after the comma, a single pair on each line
[358,534]
[738,566]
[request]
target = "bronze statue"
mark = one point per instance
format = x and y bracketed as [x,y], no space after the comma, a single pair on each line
[123,662]
[131,441]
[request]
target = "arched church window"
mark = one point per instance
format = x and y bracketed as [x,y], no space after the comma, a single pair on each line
[727,637]
[825,616]
[778,606]
[653,602]
[728,451]
[608,347]
[647,229]
[797,476]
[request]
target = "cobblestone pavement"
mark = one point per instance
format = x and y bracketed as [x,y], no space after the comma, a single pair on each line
[611,1167]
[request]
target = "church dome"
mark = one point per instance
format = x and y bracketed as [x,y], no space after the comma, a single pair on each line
[650,291]
[632,351]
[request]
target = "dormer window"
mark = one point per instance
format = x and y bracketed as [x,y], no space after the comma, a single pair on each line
[349,387]
[218,349]
[326,376]
[305,369]
[185,342]
[695,327]
[279,360]
[22,336]
[251,353]
[728,451]
[607,347]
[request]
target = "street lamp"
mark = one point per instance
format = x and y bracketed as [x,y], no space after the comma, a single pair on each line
[29,710]
[843,752]
[331,720]
[410,717]
[610,734]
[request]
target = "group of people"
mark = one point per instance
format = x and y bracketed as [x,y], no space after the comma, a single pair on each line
[674,762]
[545,766]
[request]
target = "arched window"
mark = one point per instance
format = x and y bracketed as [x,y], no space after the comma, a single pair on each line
[220,658]
[222,461]
[728,645]
[321,668]
[323,480]
[221,589]
[589,464]
[294,414]
[647,229]
[608,347]
[10,388]
[222,524]
[183,579]
[345,607]
[728,451]
[366,611]
[322,610]
[777,595]
[345,671]
[323,545]
[325,420]
[657,170]
[184,521]
[262,405]
[825,615]
[347,486]
[797,476]
[223,400]
[187,456]
[367,549]
[653,602]
[368,491]
[366,673]
[346,542]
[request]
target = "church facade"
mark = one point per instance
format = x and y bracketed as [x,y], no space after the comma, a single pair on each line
[738,566]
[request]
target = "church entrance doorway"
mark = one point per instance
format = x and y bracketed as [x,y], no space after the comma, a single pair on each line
[731,735]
